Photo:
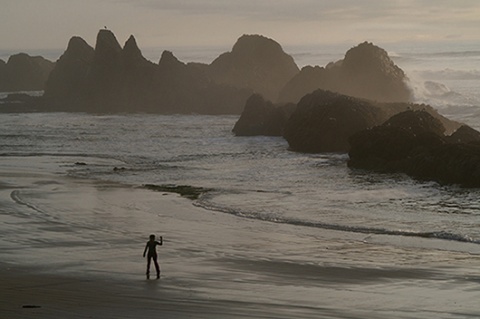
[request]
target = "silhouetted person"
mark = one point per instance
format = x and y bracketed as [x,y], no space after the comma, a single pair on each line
[152,254]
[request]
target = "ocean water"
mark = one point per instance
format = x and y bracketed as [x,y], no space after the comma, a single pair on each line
[259,178]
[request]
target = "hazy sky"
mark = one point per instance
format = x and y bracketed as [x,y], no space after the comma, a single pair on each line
[30,25]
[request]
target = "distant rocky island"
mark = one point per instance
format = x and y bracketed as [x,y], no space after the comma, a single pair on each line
[23,72]
[109,78]
[360,104]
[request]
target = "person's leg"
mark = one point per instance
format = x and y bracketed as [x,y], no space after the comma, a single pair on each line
[157,267]
[149,260]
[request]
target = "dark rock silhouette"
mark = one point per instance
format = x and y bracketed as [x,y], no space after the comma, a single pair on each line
[366,72]
[107,66]
[103,79]
[413,143]
[134,89]
[87,79]
[324,121]
[23,72]
[256,63]
[67,78]
[3,66]
[450,163]
[176,83]
[187,88]
[103,84]
[386,147]
[417,122]
[110,79]
[262,117]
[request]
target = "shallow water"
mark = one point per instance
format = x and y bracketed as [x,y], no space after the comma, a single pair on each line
[254,177]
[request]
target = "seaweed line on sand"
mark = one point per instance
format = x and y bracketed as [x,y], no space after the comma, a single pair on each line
[190,192]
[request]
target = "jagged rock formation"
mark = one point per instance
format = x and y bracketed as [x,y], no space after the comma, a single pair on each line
[365,72]
[413,143]
[66,79]
[137,74]
[187,88]
[103,81]
[324,121]
[262,117]
[23,72]
[256,63]
[110,78]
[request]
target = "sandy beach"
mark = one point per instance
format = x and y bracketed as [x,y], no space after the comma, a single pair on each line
[72,248]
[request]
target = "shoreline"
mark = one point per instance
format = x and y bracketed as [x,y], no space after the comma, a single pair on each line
[72,249]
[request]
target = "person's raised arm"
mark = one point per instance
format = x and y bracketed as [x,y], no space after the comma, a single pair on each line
[161,240]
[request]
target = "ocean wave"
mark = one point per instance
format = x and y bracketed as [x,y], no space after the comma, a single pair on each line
[31,93]
[205,203]
[440,95]
[468,54]
[451,74]
[452,54]
[432,89]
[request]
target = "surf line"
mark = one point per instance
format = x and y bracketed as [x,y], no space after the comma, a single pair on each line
[442,235]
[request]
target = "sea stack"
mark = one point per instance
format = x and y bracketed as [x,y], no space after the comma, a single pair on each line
[23,72]
[324,121]
[366,72]
[256,63]
[262,117]
[67,78]
[413,143]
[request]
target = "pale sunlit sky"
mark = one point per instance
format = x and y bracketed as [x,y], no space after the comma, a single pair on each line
[32,25]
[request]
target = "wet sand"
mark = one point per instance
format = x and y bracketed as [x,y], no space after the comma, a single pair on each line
[71,248]
[336,293]
[27,295]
